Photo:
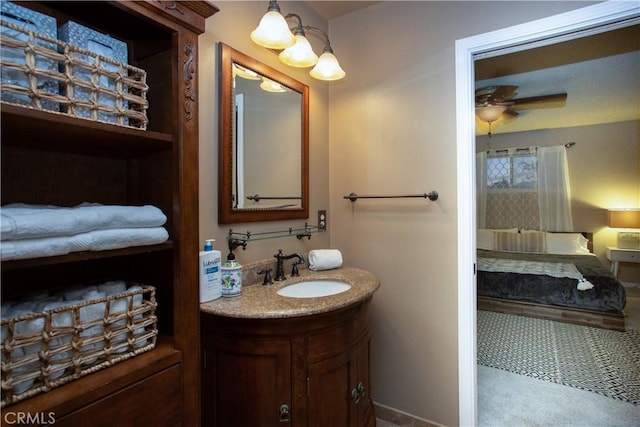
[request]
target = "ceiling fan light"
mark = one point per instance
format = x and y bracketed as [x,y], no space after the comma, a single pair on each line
[490,113]
[300,54]
[273,31]
[327,68]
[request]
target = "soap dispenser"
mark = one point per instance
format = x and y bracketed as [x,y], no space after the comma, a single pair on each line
[231,277]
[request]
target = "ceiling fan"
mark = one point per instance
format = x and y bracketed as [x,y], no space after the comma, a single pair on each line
[503,96]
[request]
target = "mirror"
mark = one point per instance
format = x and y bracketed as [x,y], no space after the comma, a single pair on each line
[264,142]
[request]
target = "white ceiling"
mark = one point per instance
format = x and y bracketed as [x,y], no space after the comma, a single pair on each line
[335,9]
[599,73]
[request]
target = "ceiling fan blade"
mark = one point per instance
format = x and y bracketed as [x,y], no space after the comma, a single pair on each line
[502,93]
[494,95]
[510,114]
[543,101]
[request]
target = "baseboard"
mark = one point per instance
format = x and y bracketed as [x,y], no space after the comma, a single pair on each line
[401,418]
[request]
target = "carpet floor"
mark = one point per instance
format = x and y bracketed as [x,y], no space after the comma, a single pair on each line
[597,360]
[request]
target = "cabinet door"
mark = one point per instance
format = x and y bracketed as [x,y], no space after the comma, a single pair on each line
[152,401]
[366,411]
[246,382]
[332,382]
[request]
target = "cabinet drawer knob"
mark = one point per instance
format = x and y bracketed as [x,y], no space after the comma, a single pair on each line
[284,413]
[362,390]
[355,395]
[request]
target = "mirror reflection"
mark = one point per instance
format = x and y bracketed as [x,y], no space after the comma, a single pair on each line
[263,142]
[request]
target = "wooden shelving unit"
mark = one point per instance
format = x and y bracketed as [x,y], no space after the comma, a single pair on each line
[48,158]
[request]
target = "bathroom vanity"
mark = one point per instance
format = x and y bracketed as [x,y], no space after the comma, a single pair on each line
[272,360]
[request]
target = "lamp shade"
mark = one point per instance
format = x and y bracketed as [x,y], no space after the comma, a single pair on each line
[327,68]
[300,54]
[273,32]
[624,218]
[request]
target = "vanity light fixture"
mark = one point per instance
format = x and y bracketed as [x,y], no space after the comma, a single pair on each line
[271,86]
[273,31]
[245,73]
[297,53]
[490,114]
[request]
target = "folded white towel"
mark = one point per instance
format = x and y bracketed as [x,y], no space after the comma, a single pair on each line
[21,221]
[98,240]
[125,237]
[33,248]
[324,259]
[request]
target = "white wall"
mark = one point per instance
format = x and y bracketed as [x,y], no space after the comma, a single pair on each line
[389,127]
[392,130]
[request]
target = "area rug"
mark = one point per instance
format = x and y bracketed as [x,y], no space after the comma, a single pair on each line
[598,360]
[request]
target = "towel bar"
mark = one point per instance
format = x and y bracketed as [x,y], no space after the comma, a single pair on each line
[433,195]
[257,198]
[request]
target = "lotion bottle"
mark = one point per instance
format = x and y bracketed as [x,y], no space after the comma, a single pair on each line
[210,273]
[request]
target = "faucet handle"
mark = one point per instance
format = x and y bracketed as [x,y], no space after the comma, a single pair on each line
[267,276]
[294,270]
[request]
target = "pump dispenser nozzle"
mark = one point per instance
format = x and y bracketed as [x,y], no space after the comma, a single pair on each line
[208,244]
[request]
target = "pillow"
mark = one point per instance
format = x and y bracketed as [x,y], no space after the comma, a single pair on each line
[484,237]
[567,244]
[532,242]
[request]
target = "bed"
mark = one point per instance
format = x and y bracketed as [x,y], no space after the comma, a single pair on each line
[547,275]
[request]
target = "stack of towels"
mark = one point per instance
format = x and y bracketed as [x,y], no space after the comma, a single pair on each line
[33,231]
[92,317]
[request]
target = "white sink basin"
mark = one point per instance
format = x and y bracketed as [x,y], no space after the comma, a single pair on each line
[314,288]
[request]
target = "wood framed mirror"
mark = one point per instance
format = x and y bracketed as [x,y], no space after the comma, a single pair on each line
[263,172]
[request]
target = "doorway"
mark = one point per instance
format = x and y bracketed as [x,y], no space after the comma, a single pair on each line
[571,25]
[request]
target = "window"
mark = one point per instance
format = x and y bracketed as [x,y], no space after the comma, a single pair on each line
[512,171]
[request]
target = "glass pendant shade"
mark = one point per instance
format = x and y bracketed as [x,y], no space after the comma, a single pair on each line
[490,113]
[300,54]
[271,86]
[244,73]
[273,32]
[327,68]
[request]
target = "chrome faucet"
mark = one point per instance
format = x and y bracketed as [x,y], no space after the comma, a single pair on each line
[280,257]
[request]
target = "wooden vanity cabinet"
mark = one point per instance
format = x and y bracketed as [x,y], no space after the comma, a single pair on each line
[49,158]
[299,371]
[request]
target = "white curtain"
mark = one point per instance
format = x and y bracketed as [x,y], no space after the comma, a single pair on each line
[554,193]
[481,189]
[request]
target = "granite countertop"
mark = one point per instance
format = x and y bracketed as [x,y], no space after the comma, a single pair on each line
[258,301]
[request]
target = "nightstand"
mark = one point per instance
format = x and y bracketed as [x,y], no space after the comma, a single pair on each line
[618,255]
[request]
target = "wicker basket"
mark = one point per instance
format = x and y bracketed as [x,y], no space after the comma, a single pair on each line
[44,350]
[85,85]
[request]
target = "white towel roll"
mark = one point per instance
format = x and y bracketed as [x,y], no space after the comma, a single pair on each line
[92,314]
[60,322]
[324,259]
[113,287]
